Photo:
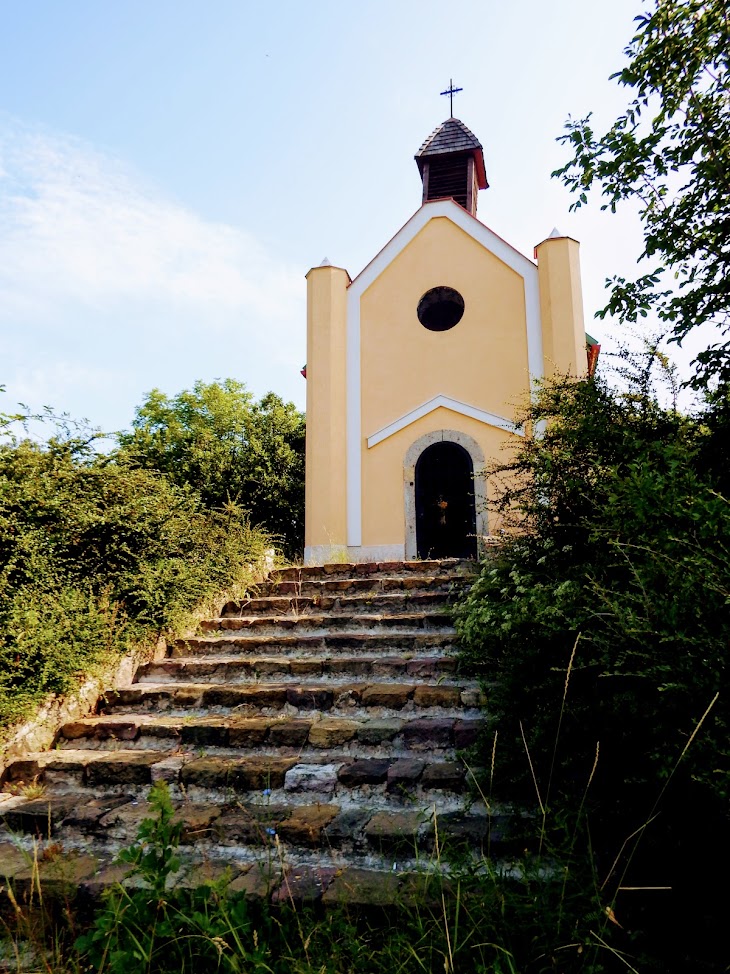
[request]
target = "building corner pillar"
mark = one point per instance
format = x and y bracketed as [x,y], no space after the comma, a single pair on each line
[561,307]
[325,520]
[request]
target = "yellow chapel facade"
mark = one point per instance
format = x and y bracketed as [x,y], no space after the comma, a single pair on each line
[416,368]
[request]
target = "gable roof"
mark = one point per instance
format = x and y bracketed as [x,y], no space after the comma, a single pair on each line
[474,228]
[464,409]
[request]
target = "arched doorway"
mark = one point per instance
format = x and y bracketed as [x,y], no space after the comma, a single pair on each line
[445,503]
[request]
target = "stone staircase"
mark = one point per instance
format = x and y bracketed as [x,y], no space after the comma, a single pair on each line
[309,735]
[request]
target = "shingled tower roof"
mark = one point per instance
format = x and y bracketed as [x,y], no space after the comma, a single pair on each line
[451,136]
[451,164]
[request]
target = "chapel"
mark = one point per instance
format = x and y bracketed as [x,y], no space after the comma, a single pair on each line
[417,366]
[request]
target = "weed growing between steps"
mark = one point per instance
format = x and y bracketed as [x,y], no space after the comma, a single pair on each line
[532,917]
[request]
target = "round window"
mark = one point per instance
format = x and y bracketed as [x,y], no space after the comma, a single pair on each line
[440,309]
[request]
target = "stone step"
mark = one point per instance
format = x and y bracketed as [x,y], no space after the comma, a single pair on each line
[239,669]
[323,825]
[329,877]
[380,643]
[67,874]
[384,782]
[235,833]
[293,604]
[316,586]
[319,697]
[308,739]
[447,566]
[331,623]
[354,737]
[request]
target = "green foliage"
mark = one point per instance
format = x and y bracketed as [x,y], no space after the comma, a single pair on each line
[669,152]
[50,639]
[613,597]
[627,545]
[95,555]
[229,448]
[153,857]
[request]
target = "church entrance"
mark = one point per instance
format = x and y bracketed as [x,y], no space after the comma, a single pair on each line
[445,504]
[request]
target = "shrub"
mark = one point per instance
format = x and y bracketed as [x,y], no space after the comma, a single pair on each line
[612,596]
[94,555]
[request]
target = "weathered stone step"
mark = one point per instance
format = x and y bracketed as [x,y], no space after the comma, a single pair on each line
[447,566]
[409,777]
[352,736]
[380,643]
[318,878]
[387,781]
[68,873]
[312,696]
[238,669]
[318,726]
[293,604]
[336,622]
[233,831]
[362,584]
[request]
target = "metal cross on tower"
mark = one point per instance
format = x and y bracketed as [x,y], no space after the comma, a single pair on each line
[451,91]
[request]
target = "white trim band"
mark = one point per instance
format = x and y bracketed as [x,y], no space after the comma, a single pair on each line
[464,409]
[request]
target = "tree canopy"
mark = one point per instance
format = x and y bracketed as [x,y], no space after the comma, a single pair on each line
[230,448]
[670,152]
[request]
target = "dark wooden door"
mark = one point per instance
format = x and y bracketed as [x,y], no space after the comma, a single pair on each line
[445,507]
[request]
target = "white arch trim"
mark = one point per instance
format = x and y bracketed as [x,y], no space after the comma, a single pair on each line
[464,409]
[487,238]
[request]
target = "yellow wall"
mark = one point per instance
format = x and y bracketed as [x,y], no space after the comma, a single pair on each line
[481,361]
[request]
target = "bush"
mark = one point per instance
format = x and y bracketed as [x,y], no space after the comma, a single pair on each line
[95,555]
[612,598]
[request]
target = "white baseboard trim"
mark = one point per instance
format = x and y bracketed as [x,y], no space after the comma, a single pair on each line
[325,554]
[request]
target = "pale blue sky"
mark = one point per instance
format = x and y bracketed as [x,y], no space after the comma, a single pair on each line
[170,169]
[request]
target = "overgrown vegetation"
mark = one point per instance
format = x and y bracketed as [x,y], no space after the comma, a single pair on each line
[478,919]
[613,597]
[95,555]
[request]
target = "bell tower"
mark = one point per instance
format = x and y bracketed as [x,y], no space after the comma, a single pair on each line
[451,163]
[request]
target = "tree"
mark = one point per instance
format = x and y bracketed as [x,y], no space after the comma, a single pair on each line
[670,152]
[233,450]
